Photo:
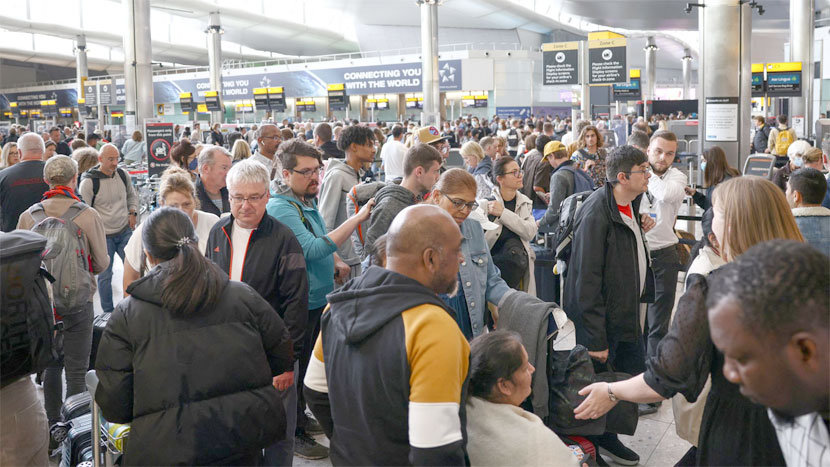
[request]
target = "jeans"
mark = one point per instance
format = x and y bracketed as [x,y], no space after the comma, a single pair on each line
[309,339]
[23,426]
[115,244]
[666,265]
[281,453]
[77,344]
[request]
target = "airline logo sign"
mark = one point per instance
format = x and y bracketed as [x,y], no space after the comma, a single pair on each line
[560,63]
[784,79]
[607,61]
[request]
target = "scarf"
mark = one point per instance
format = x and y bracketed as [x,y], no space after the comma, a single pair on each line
[60,190]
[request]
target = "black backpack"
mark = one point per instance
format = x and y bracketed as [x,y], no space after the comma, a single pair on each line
[27,343]
[564,235]
[513,138]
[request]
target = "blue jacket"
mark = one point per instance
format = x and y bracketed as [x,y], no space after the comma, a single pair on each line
[480,278]
[814,223]
[318,248]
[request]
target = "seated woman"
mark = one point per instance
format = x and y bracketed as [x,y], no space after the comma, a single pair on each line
[512,212]
[479,280]
[499,432]
[189,358]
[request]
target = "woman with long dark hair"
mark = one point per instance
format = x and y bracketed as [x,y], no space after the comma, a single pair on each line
[188,358]
[716,170]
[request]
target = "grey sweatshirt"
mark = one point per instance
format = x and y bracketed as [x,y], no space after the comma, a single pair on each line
[114,201]
[389,201]
[561,186]
[337,182]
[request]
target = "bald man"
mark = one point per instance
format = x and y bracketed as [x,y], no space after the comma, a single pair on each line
[387,390]
[268,140]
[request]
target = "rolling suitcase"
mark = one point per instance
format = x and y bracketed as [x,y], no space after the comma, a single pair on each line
[77,447]
[73,407]
[98,326]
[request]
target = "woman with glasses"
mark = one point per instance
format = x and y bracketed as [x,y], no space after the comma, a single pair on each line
[479,280]
[512,212]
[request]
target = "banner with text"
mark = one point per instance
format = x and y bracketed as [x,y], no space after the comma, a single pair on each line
[159,137]
[607,61]
[560,63]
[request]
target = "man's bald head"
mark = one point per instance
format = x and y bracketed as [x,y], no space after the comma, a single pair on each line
[424,244]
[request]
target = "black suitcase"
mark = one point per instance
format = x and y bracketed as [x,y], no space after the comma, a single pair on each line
[77,447]
[547,283]
[73,407]
[98,326]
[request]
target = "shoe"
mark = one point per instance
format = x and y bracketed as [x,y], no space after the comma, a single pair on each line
[306,447]
[612,447]
[313,427]
[646,409]
[601,462]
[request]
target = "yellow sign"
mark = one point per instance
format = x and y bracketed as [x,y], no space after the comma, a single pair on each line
[336,87]
[785,66]
[383,100]
[211,93]
[414,99]
[202,108]
[275,90]
[258,91]
[757,67]
[371,100]
[34,112]
[613,42]
[117,113]
[481,98]
[554,46]
[81,100]
[601,35]
[83,88]
[634,73]
[7,114]
[12,104]
[185,95]
[468,98]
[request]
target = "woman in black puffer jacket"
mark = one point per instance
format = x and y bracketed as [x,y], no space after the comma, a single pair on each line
[188,359]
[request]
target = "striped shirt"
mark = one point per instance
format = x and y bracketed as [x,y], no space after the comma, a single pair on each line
[805,442]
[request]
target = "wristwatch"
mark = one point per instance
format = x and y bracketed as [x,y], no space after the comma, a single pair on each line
[611,395]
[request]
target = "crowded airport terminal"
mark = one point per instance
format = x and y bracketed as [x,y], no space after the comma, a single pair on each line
[568,233]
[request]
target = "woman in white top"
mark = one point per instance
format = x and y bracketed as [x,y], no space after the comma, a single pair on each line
[499,432]
[134,149]
[512,211]
[176,190]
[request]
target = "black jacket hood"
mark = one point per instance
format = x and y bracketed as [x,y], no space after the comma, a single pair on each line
[366,303]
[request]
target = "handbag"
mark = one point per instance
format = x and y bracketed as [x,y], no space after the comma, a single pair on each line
[688,415]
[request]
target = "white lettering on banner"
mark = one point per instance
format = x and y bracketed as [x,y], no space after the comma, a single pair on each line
[203,85]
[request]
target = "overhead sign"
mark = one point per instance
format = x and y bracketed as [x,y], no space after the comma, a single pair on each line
[721,119]
[509,112]
[49,108]
[305,105]
[606,61]
[784,79]
[246,106]
[630,91]
[276,98]
[560,63]
[261,99]
[213,101]
[186,101]
[337,96]
[159,137]
[758,87]
[106,92]
[91,93]
[414,102]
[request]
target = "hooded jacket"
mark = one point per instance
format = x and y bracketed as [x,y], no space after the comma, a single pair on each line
[389,201]
[337,181]
[331,151]
[114,201]
[274,266]
[318,248]
[521,223]
[602,285]
[196,388]
[388,374]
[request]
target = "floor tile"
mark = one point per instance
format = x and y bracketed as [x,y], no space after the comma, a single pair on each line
[669,450]
[663,414]
[646,438]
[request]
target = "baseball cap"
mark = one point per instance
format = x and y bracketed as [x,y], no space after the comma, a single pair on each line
[553,146]
[428,135]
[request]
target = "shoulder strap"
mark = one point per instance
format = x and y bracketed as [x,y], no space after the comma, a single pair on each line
[74,211]
[96,185]
[305,221]
[123,176]
[37,212]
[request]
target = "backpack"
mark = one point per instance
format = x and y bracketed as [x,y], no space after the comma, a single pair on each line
[67,259]
[513,138]
[28,344]
[783,140]
[582,181]
[96,183]
[356,198]
[569,210]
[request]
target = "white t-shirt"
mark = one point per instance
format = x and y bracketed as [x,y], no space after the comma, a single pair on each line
[204,222]
[392,153]
[642,259]
[239,244]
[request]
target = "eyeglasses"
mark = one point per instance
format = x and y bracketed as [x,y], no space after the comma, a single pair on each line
[460,204]
[275,137]
[518,173]
[251,199]
[306,172]
[644,171]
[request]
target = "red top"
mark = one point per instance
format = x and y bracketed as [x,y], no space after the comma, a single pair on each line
[625,210]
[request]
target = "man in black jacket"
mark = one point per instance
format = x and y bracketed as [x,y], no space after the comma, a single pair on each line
[323,141]
[255,248]
[214,164]
[609,276]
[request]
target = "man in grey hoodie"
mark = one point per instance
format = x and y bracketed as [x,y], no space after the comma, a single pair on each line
[358,143]
[421,166]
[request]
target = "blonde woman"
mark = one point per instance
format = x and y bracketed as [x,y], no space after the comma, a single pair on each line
[240,150]
[9,156]
[480,166]
[747,211]
[176,190]
[134,148]
[86,157]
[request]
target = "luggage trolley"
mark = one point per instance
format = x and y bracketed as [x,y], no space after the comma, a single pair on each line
[111,436]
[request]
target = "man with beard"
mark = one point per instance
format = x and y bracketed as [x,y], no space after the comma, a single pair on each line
[294,203]
[389,370]
[768,315]
[662,201]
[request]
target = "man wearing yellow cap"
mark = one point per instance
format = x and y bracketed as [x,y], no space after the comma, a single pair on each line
[565,180]
[431,136]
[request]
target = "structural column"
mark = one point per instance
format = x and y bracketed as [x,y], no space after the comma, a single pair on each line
[802,31]
[725,77]
[585,67]
[430,114]
[138,64]
[81,67]
[215,32]
[651,74]
[687,74]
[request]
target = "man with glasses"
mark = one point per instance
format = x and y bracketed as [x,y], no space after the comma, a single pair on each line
[358,143]
[662,201]
[268,139]
[294,203]
[608,273]
[254,248]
